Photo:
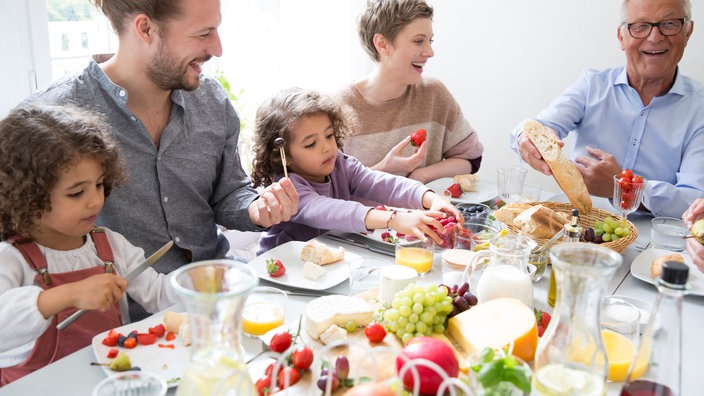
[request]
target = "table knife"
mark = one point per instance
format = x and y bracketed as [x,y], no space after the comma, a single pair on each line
[133,274]
[351,241]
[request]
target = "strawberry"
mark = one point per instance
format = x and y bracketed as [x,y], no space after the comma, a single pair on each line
[543,320]
[275,268]
[454,191]
[387,237]
[418,137]
[111,339]
[381,207]
[158,330]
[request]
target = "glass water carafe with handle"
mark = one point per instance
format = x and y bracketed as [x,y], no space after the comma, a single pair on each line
[570,358]
[214,292]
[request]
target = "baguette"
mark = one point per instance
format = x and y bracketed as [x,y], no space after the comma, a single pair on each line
[320,254]
[658,262]
[468,182]
[508,212]
[540,221]
[563,170]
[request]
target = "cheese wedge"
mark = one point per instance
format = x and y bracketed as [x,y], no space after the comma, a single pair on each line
[496,323]
[333,334]
[313,271]
[326,311]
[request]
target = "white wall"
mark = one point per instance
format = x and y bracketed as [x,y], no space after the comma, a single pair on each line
[23,40]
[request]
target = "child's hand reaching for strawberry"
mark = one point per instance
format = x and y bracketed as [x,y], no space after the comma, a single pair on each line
[438,203]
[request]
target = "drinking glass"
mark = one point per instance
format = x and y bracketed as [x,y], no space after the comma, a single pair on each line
[418,255]
[510,181]
[668,233]
[620,330]
[365,274]
[627,196]
[263,310]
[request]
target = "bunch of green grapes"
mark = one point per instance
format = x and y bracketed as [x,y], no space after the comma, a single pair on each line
[418,311]
[610,229]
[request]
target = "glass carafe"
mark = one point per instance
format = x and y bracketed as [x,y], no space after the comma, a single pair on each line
[570,358]
[506,274]
[214,292]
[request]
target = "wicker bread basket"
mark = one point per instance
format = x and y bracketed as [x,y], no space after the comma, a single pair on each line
[587,220]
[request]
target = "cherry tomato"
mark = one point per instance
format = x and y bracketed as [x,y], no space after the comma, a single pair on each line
[638,180]
[627,173]
[262,384]
[293,376]
[270,369]
[281,341]
[302,357]
[375,332]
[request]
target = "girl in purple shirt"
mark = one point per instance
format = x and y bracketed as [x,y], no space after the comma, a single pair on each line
[331,184]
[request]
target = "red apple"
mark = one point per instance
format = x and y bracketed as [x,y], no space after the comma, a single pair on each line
[433,350]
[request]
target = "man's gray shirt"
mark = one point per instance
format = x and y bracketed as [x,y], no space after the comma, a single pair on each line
[181,190]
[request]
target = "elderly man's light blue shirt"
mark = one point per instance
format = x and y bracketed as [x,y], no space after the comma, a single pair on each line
[663,141]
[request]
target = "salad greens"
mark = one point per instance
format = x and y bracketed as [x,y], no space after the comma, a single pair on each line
[496,371]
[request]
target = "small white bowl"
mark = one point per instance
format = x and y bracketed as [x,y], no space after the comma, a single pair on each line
[134,382]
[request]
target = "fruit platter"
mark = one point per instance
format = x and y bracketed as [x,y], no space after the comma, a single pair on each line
[345,342]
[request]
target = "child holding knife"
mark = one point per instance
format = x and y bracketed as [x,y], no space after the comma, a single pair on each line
[57,165]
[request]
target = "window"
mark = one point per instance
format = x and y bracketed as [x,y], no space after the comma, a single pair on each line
[76,31]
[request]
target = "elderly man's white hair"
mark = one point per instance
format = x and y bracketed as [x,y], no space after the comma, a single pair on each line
[686,5]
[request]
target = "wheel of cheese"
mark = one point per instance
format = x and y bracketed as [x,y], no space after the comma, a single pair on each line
[496,323]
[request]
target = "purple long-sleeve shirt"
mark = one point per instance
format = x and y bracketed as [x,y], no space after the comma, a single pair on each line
[330,205]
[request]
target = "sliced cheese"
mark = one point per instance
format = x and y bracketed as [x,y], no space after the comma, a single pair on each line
[172,320]
[462,357]
[334,333]
[313,271]
[394,278]
[326,311]
[496,323]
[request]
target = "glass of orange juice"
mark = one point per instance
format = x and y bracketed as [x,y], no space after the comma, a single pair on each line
[620,330]
[417,255]
[263,310]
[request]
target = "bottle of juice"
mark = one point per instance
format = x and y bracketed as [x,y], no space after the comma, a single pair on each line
[571,234]
[657,368]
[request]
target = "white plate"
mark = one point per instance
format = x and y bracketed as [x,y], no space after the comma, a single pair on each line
[166,362]
[290,255]
[640,268]
[486,190]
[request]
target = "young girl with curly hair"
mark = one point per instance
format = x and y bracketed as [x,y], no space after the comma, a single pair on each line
[327,180]
[57,165]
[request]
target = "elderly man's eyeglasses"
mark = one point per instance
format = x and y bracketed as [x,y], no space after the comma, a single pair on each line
[669,27]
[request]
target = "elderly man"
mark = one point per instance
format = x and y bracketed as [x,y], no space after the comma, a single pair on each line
[646,116]
[178,130]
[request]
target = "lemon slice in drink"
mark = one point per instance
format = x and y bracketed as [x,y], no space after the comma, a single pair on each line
[619,352]
[558,380]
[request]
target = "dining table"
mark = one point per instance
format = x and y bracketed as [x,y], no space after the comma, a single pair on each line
[74,374]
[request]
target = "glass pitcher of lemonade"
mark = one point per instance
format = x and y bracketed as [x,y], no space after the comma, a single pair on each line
[214,293]
[570,358]
[506,274]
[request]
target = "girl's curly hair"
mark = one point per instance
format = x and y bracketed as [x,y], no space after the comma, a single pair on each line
[37,144]
[275,118]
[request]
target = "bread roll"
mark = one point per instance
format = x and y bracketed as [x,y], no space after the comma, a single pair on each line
[540,221]
[467,182]
[320,254]
[508,212]
[563,170]
[658,262]
[173,320]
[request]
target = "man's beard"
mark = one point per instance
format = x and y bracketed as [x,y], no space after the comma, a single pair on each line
[168,75]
